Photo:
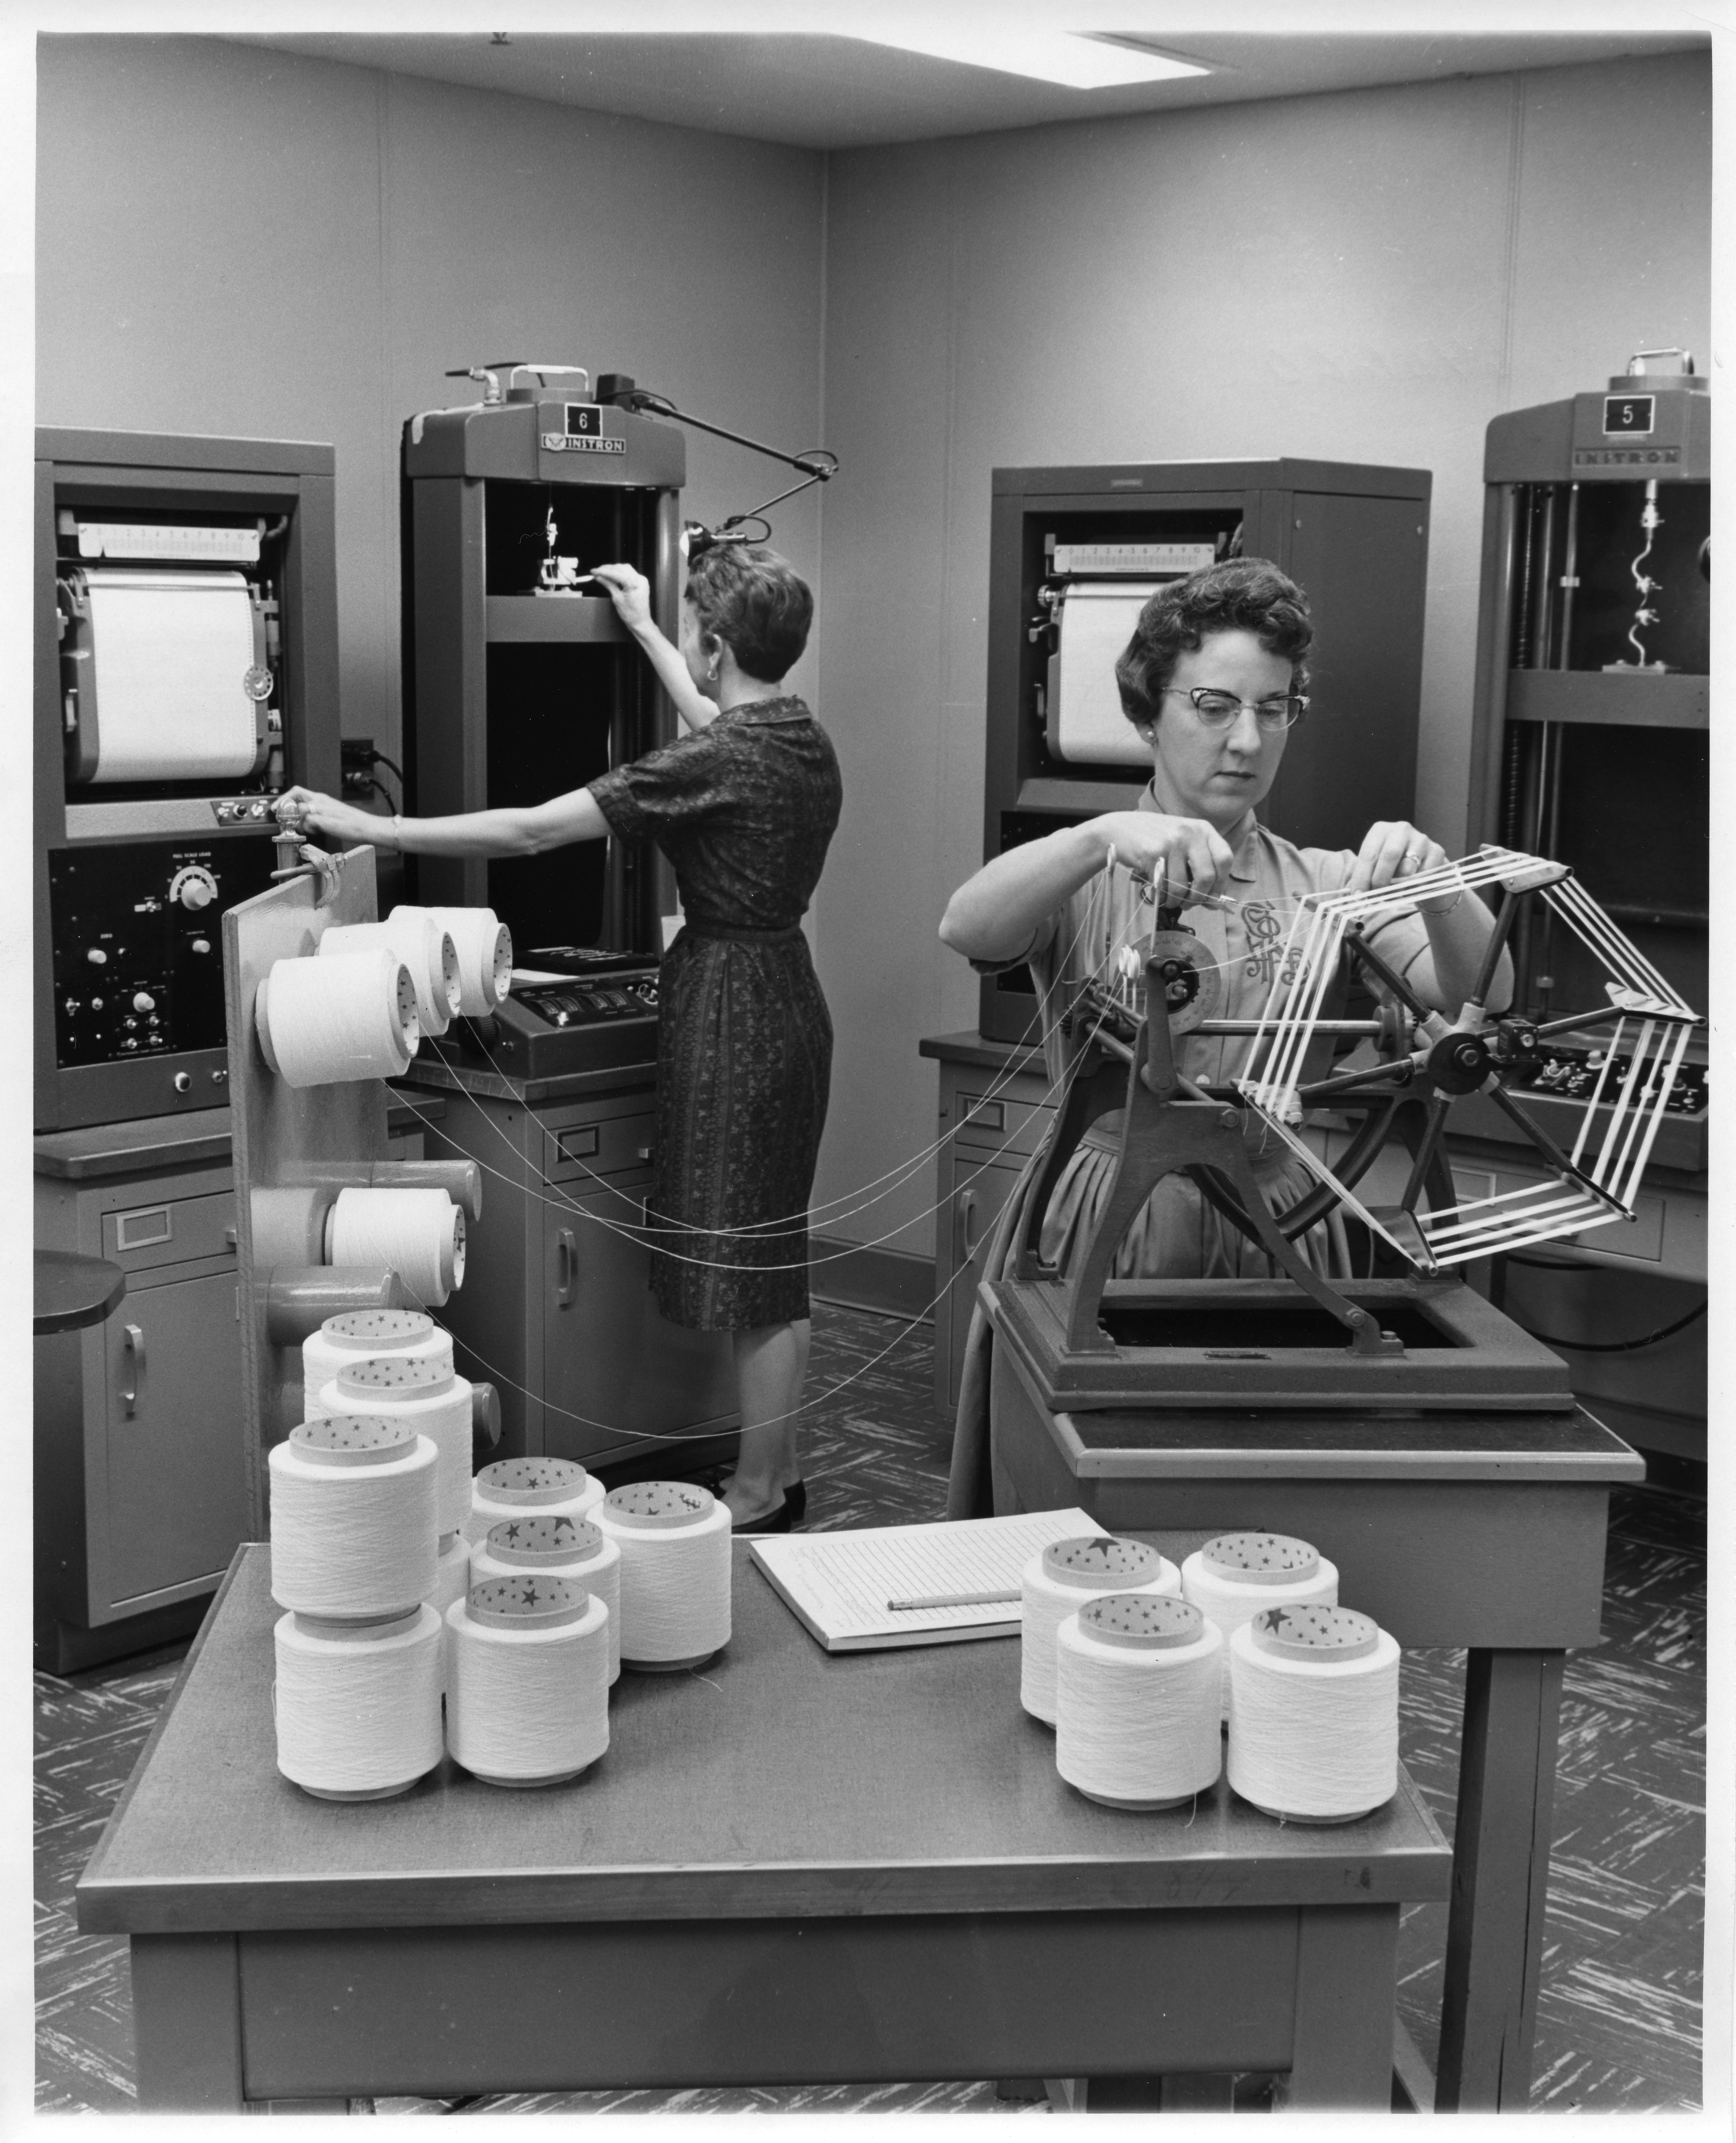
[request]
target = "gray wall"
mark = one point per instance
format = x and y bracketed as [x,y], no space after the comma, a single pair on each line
[1369,276]
[234,240]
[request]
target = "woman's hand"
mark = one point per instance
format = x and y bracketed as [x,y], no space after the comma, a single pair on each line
[631,593]
[1394,849]
[306,811]
[1181,857]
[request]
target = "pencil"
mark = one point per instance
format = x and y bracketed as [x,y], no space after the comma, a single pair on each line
[953,1600]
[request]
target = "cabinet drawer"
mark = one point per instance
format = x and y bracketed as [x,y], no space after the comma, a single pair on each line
[597,1146]
[170,1232]
[1001,1119]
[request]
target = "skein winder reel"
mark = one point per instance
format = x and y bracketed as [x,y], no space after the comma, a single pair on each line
[1412,1335]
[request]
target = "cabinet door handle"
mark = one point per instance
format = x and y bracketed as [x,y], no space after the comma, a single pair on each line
[132,1351]
[964,1206]
[566,1267]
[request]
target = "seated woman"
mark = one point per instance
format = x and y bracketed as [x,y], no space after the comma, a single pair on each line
[1213,680]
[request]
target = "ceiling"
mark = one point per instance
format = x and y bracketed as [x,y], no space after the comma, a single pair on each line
[819,91]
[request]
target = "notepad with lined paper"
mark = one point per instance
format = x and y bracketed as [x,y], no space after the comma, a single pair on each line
[843,1586]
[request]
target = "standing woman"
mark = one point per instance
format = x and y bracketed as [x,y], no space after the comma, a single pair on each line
[743,806]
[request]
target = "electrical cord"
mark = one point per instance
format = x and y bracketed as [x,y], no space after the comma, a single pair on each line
[1611,1346]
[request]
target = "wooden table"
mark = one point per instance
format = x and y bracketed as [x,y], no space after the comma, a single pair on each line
[792,1867]
[1486,1530]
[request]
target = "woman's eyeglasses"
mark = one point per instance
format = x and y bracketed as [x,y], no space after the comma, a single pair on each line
[1218,709]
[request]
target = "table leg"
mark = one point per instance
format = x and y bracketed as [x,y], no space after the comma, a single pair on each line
[187,2020]
[1500,1880]
[1347,1986]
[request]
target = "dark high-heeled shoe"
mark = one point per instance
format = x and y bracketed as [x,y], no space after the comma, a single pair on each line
[777,1520]
[795,1501]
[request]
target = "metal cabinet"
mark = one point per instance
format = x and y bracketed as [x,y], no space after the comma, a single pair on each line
[174,1496]
[614,1370]
[140,1496]
[557,1309]
[993,1116]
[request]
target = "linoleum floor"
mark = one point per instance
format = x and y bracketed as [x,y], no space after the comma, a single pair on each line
[1619,2023]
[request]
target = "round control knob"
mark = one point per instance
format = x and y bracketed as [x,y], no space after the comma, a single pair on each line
[96,1004]
[201,944]
[144,1002]
[183,1082]
[96,957]
[194,887]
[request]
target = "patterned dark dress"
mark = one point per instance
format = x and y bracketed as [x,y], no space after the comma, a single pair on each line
[744,810]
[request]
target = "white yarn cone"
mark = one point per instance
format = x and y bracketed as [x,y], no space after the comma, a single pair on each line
[1057,1581]
[675,1572]
[559,1547]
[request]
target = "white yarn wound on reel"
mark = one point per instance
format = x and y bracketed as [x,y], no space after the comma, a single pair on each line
[357,1331]
[527,1699]
[558,1546]
[1313,1731]
[485,956]
[424,947]
[354,1016]
[353,1506]
[405,1389]
[525,1487]
[1232,1577]
[418,1234]
[1057,1581]
[675,1571]
[1136,1701]
[358,1709]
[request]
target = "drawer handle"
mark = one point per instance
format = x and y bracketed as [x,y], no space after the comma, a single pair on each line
[964,1206]
[583,1143]
[566,1267]
[985,1115]
[132,1350]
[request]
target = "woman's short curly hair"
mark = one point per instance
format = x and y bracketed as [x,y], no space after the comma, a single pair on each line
[1240,595]
[756,603]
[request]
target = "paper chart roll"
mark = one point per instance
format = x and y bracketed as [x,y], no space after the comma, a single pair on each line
[321,1023]
[1057,1581]
[485,956]
[418,1234]
[1136,1701]
[1313,1731]
[439,1407]
[530,1488]
[527,1699]
[1232,1577]
[675,1572]
[1085,723]
[357,1706]
[352,1532]
[558,1547]
[425,949]
[355,1332]
[171,656]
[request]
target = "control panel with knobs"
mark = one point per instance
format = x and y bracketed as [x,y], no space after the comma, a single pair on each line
[137,971]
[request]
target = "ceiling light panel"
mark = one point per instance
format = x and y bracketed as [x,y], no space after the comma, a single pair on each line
[1041,55]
